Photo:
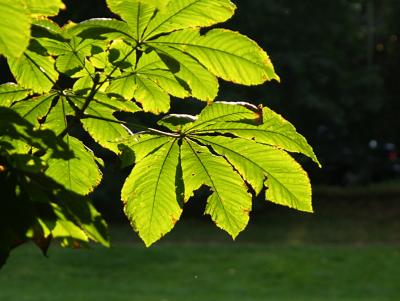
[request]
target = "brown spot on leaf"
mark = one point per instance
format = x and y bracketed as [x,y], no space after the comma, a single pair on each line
[259,114]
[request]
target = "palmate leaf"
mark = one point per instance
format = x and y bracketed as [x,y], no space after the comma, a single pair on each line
[71,52]
[229,166]
[200,59]
[149,83]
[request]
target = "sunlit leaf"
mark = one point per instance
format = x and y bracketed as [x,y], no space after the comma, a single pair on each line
[150,196]
[14,28]
[11,92]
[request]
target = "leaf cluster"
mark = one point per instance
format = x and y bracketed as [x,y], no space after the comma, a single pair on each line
[156,50]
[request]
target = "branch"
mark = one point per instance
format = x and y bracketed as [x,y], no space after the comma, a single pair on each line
[133,125]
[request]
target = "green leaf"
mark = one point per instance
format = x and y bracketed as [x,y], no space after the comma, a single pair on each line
[124,85]
[102,28]
[79,174]
[83,84]
[286,181]
[14,28]
[101,124]
[44,7]
[225,53]
[81,211]
[17,135]
[66,230]
[48,25]
[116,103]
[35,108]
[153,68]
[174,122]
[151,96]
[72,55]
[34,71]
[70,63]
[274,130]
[139,146]
[136,13]
[221,113]
[189,13]
[230,203]
[203,85]
[11,92]
[150,195]
[122,55]
[56,120]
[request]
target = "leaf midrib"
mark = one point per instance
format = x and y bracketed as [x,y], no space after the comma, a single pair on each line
[156,187]
[213,187]
[250,129]
[169,18]
[241,58]
[268,174]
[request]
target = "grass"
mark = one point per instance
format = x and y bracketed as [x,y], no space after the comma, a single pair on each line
[199,272]
[347,250]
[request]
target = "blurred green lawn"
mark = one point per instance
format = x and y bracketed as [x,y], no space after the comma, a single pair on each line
[347,250]
[180,272]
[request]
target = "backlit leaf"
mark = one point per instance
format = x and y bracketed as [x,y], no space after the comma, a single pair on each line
[150,196]
[14,28]
[34,71]
[230,203]
[79,174]
[286,181]
[11,92]
[181,14]
[225,53]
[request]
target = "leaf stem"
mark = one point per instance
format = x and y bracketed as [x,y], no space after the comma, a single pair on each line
[133,125]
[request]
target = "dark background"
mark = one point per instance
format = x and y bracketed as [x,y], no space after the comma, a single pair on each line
[339,63]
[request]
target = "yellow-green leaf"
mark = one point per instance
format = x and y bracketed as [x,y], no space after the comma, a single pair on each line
[230,203]
[14,27]
[34,71]
[79,174]
[150,195]
[181,14]
[226,54]
[11,92]
[287,183]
